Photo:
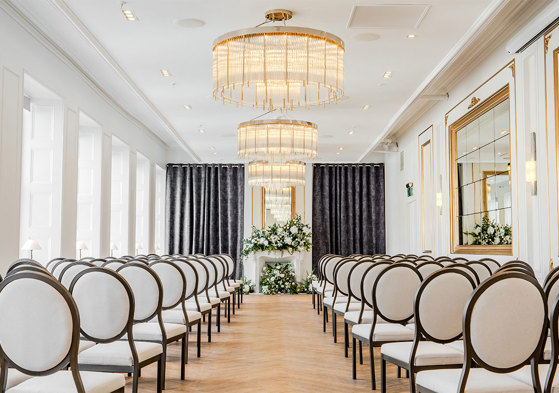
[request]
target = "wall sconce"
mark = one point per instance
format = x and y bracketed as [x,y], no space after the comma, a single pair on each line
[531,166]
[31,245]
[81,246]
[439,199]
[439,196]
[114,247]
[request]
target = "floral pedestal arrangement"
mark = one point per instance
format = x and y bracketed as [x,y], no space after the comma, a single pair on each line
[273,257]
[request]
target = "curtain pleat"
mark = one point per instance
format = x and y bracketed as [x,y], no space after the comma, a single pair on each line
[348,210]
[205,209]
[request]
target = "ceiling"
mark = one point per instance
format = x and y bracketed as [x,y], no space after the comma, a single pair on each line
[125,58]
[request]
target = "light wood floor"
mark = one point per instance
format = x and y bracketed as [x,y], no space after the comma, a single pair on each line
[273,344]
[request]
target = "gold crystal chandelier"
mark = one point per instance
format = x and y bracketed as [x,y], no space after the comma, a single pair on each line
[276,175]
[275,67]
[277,196]
[277,140]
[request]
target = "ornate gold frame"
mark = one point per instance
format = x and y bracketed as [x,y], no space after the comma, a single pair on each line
[479,110]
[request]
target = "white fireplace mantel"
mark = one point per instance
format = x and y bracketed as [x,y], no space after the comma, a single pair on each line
[255,262]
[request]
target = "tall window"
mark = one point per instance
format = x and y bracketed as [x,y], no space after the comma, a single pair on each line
[41,164]
[480,154]
[159,210]
[142,204]
[120,184]
[89,187]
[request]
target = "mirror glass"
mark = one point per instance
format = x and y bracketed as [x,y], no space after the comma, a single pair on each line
[277,205]
[483,178]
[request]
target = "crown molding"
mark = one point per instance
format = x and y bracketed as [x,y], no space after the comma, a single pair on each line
[489,29]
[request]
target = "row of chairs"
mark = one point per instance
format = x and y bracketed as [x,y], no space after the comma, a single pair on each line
[412,308]
[101,317]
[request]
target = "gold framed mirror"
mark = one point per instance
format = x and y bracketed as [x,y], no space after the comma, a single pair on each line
[480,178]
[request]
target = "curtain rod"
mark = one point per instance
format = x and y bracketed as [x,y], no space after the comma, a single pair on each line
[356,165]
[205,165]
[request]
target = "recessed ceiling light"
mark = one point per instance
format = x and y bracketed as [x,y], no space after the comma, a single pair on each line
[340,148]
[387,74]
[367,37]
[215,154]
[165,72]
[366,107]
[411,36]
[338,153]
[187,107]
[130,16]
[212,148]
[350,132]
[201,130]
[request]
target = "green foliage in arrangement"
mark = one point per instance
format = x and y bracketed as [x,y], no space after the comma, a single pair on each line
[490,233]
[280,278]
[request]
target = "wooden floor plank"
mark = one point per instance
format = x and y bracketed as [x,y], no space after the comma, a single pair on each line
[273,344]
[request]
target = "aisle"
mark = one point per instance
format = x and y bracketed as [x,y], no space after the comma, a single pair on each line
[274,344]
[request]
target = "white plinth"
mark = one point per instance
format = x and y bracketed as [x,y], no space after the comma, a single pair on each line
[254,264]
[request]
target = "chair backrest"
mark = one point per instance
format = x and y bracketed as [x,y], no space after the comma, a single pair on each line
[341,277]
[147,290]
[551,290]
[519,263]
[491,264]
[505,325]
[516,266]
[86,259]
[59,266]
[394,291]
[105,302]
[52,262]
[39,328]
[195,276]
[459,259]
[482,270]
[355,278]
[439,305]
[554,323]
[113,264]
[221,269]
[552,273]
[173,282]
[28,268]
[211,269]
[321,263]
[426,268]
[230,264]
[467,269]
[70,271]
[369,279]
[447,262]
[23,261]
[330,267]
[98,261]
[425,256]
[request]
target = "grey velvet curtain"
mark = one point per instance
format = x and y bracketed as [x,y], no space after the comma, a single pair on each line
[205,209]
[347,210]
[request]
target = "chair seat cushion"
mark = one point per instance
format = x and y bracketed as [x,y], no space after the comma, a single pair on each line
[224,295]
[15,377]
[84,344]
[150,331]
[176,316]
[525,375]
[239,281]
[352,317]
[479,381]
[428,353]
[353,306]
[63,382]
[117,353]
[330,300]
[214,301]
[191,306]
[315,284]
[235,284]
[322,290]
[457,345]
[230,289]
[383,332]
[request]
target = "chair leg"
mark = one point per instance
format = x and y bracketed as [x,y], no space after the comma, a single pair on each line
[184,353]
[412,382]
[135,379]
[360,352]
[229,310]
[313,298]
[383,373]
[372,365]
[407,373]
[199,339]
[218,318]
[210,326]
[334,326]
[346,338]
[242,299]
[318,303]
[163,365]
[353,358]
[234,296]
[324,322]
[160,380]
[399,372]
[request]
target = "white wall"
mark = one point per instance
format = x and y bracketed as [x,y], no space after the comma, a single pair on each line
[24,52]
[530,212]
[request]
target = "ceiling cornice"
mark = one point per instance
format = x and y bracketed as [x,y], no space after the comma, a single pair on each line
[106,56]
[12,11]
[488,31]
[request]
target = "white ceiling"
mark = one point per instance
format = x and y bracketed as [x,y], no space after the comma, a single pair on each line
[125,58]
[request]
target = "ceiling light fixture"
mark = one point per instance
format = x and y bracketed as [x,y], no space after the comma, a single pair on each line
[351,132]
[277,140]
[410,36]
[187,107]
[387,74]
[366,107]
[340,148]
[201,130]
[212,148]
[276,175]
[278,66]
[165,72]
